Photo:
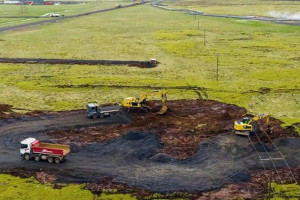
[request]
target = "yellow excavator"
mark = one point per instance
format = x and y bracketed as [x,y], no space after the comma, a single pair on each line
[140,102]
[245,126]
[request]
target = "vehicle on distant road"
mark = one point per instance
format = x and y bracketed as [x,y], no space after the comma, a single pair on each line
[54,15]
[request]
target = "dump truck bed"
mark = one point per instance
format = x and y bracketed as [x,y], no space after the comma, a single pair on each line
[110,108]
[54,149]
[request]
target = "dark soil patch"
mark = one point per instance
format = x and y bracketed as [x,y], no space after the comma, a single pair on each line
[141,64]
[181,129]
[256,188]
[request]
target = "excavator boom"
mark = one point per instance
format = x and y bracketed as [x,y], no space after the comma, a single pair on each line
[132,102]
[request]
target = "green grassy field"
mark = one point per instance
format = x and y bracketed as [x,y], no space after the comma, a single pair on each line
[40,10]
[258,62]
[238,7]
[28,188]
[285,191]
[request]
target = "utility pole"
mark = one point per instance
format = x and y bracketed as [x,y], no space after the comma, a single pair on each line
[217,67]
[204,37]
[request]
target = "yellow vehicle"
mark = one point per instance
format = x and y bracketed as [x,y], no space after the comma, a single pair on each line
[140,102]
[246,127]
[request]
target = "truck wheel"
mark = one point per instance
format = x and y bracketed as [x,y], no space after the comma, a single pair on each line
[94,116]
[26,156]
[37,158]
[50,159]
[57,160]
[101,115]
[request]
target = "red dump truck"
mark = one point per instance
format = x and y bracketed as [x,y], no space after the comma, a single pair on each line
[33,148]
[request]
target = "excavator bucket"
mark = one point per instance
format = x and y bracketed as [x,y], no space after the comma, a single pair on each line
[163,110]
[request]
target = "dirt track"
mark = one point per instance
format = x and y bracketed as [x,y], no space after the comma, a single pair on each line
[138,157]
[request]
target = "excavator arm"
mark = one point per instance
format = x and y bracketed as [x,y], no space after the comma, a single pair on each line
[160,93]
[140,102]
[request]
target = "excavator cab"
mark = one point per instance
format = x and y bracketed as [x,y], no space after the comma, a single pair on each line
[246,120]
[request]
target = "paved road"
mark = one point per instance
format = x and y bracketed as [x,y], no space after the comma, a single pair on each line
[257,18]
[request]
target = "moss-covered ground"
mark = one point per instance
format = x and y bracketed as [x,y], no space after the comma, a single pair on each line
[285,191]
[12,188]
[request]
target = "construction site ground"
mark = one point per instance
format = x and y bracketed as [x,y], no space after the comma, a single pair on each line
[192,148]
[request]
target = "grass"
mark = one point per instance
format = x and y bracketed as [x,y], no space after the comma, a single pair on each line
[28,188]
[240,7]
[285,191]
[252,56]
[40,10]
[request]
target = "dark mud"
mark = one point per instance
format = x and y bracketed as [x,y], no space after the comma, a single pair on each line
[143,150]
[135,159]
[141,64]
[181,129]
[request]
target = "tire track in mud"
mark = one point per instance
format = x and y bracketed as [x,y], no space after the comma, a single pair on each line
[197,89]
[135,158]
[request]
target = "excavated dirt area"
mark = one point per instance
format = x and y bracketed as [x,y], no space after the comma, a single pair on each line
[181,129]
[192,148]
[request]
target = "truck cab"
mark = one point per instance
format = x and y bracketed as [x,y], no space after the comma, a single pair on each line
[92,110]
[25,147]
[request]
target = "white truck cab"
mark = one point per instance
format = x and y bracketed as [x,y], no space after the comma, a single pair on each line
[54,15]
[26,145]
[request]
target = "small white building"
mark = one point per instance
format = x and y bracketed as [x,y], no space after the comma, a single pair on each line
[11,2]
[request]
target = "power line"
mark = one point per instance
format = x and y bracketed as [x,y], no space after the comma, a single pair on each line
[289,168]
[260,158]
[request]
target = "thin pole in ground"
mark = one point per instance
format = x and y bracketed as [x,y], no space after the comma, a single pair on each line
[217,67]
[204,40]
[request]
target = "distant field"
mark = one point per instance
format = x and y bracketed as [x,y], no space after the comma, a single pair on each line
[259,62]
[240,7]
[40,10]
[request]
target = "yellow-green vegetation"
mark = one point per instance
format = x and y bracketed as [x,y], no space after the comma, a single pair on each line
[43,11]
[12,187]
[67,9]
[285,191]
[258,61]
[238,7]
